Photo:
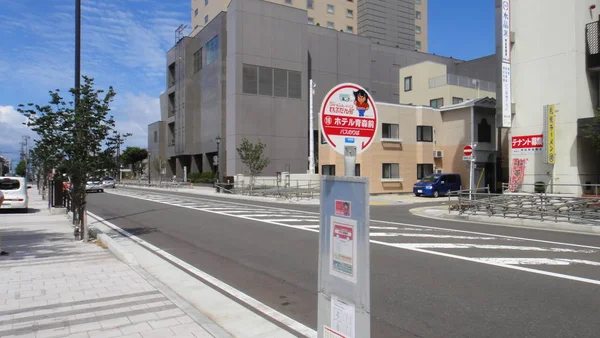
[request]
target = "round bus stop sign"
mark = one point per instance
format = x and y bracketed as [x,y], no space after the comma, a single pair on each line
[348,118]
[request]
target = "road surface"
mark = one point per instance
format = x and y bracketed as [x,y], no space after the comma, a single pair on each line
[429,278]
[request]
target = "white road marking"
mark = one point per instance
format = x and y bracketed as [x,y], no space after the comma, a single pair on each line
[308,226]
[288,220]
[383,234]
[264,309]
[538,261]
[383,228]
[486,246]
[447,236]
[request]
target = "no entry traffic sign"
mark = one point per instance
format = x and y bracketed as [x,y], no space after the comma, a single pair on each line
[468,150]
[348,118]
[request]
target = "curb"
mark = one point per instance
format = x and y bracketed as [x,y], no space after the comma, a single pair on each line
[117,250]
[514,222]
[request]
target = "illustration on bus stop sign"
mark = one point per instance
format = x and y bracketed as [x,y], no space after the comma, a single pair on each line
[348,118]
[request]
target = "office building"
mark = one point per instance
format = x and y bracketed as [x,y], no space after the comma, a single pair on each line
[238,77]
[550,91]
[401,23]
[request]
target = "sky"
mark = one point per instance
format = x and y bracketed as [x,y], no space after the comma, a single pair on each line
[124,44]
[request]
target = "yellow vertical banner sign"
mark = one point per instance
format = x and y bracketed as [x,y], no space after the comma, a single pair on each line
[551,123]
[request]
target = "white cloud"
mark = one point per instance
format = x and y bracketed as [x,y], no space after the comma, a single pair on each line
[11,131]
[133,113]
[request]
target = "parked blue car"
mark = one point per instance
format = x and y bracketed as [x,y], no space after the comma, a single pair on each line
[437,184]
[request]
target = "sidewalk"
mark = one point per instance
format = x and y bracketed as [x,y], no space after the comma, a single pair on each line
[54,286]
[441,212]
[385,199]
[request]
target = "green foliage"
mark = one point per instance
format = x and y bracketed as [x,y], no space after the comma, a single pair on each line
[253,158]
[21,168]
[203,177]
[134,156]
[592,132]
[159,164]
[80,136]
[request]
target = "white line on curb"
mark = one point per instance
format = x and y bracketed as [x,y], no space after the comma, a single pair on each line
[262,308]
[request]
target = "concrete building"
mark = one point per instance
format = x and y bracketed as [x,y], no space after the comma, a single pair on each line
[246,75]
[430,84]
[414,141]
[401,23]
[554,64]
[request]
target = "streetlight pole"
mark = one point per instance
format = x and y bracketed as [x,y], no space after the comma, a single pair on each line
[149,182]
[218,139]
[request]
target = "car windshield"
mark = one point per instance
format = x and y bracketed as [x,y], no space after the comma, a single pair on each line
[430,178]
[107,179]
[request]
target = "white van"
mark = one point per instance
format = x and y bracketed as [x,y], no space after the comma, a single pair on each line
[15,193]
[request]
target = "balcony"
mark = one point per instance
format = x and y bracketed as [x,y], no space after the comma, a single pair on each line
[461,81]
[592,47]
[171,113]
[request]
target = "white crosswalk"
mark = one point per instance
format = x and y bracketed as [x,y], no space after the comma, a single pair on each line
[480,247]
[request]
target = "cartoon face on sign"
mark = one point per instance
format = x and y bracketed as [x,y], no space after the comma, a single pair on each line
[361,101]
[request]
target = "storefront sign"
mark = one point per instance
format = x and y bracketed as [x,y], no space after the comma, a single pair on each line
[549,134]
[529,144]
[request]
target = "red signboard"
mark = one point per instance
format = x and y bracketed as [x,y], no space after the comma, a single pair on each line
[468,150]
[348,118]
[528,144]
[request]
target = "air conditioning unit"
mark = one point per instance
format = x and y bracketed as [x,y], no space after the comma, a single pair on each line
[438,153]
[438,171]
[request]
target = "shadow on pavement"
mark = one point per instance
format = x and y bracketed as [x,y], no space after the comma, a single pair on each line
[19,211]
[22,244]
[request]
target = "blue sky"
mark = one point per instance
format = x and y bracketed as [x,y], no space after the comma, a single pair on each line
[124,44]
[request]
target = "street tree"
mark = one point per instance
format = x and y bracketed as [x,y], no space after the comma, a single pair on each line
[134,156]
[21,168]
[76,133]
[159,163]
[252,156]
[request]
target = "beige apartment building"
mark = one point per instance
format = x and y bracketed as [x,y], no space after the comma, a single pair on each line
[430,84]
[414,141]
[401,23]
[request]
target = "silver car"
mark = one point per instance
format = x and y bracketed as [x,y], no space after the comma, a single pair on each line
[94,185]
[108,182]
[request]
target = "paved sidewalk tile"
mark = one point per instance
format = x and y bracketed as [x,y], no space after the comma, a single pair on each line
[54,286]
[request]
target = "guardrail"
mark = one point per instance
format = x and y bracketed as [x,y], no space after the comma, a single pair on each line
[169,185]
[577,190]
[538,206]
[298,192]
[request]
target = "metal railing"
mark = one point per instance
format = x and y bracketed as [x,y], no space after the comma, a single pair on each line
[308,190]
[535,206]
[461,81]
[161,184]
[574,190]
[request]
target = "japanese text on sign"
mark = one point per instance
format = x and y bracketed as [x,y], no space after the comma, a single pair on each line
[528,144]
[506,31]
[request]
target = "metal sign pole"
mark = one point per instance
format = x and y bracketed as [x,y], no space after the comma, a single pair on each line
[349,161]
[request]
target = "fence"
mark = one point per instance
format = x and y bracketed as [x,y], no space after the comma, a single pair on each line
[581,190]
[461,81]
[166,184]
[538,206]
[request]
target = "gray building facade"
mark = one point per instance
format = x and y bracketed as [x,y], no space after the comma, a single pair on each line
[253,83]
[390,23]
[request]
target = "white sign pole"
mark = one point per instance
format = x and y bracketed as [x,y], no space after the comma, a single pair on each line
[349,161]
[311,127]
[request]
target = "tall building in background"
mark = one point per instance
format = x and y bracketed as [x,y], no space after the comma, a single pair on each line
[401,23]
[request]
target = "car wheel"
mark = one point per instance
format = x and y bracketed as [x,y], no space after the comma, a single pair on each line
[417,195]
[101,190]
[436,194]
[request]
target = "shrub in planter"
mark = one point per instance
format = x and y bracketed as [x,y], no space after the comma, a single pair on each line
[540,187]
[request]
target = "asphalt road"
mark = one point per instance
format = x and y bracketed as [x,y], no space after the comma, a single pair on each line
[427,279]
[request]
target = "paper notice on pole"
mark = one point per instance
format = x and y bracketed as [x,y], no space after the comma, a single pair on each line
[329,333]
[343,248]
[342,317]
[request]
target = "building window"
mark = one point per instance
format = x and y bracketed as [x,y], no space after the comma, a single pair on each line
[205,2]
[424,170]
[249,79]
[484,132]
[265,81]
[288,1]
[390,170]
[408,83]
[457,100]
[196,12]
[155,136]
[212,50]
[198,60]
[418,29]
[417,14]
[389,130]
[424,134]
[418,44]
[323,139]
[294,84]
[310,4]
[206,19]
[418,2]
[280,82]
[328,169]
[349,29]
[330,24]
[349,13]
[357,169]
[330,9]
[436,103]
[311,21]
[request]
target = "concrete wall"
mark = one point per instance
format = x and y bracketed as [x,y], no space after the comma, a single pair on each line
[262,34]
[548,67]
[391,23]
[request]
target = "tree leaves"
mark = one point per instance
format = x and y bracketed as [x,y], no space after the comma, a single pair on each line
[251,155]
